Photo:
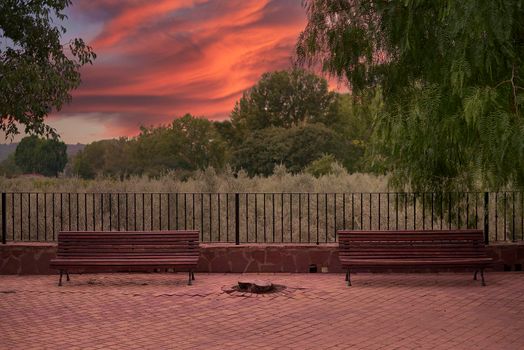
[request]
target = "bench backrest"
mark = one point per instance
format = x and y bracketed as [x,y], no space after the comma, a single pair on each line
[411,244]
[128,244]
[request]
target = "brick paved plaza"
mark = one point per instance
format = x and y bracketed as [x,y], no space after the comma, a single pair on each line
[316,311]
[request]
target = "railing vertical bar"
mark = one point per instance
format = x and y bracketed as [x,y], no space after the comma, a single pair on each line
[227,216]
[496,216]
[53,214]
[335,216]
[185,213]
[308,219]
[68,211]
[405,211]
[256,218]
[344,210]
[449,210]
[388,210]
[4,218]
[201,216]
[110,211]
[396,210]
[379,217]
[134,210]
[94,212]
[458,203]
[318,222]
[352,211]
[414,211]
[219,223]
[193,211]
[361,211]
[476,210]
[370,212]
[513,219]
[21,218]
[432,209]
[151,211]
[237,218]
[265,236]
[505,204]
[77,212]
[37,217]
[176,213]
[169,211]
[282,216]
[211,218]
[29,217]
[13,214]
[61,212]
[160,211]
[326,216]
[290,217]
[102,210]
[486,217]
[45,216]
[127,212]
[247,217]
[273,215]
[467,210]
[441,209]
[143,211]
[300,217]
[423,210]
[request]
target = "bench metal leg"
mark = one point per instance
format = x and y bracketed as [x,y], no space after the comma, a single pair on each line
[60,280]
[482,276]
[67,276]
[475,275]
[348,278]
[190,275]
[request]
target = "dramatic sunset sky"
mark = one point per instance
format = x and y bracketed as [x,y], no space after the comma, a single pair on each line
[160,59]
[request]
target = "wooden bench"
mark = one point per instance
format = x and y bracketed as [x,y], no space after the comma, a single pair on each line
[412,249]
[126,251]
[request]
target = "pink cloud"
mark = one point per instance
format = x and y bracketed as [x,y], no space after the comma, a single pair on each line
[161,59]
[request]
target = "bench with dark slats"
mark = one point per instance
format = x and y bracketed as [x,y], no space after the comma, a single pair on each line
[131,251]
[412,249]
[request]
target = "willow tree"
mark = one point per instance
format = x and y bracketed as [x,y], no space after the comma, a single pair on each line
[451,76]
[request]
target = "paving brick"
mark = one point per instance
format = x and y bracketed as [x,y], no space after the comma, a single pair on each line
[316,311]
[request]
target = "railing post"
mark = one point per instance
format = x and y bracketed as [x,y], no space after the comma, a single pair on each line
[4,218]
[237,218]
[486,217]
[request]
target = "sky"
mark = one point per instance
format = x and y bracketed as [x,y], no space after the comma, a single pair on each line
[157,60]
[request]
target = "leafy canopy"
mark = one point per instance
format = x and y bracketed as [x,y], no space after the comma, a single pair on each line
[188,144]
[284,99]
[36,70]
[41,156]
[450,73]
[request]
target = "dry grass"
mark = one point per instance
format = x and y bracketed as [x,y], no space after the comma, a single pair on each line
[206,181]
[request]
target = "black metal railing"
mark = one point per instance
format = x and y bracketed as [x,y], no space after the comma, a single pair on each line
[260,217]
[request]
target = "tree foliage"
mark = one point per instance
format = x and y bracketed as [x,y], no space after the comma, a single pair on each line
[284,99]
[451,77]
[36,71]
[188,144]
[294,148]
[42,156]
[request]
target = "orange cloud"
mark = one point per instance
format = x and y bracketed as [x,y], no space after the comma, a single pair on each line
[161,59]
